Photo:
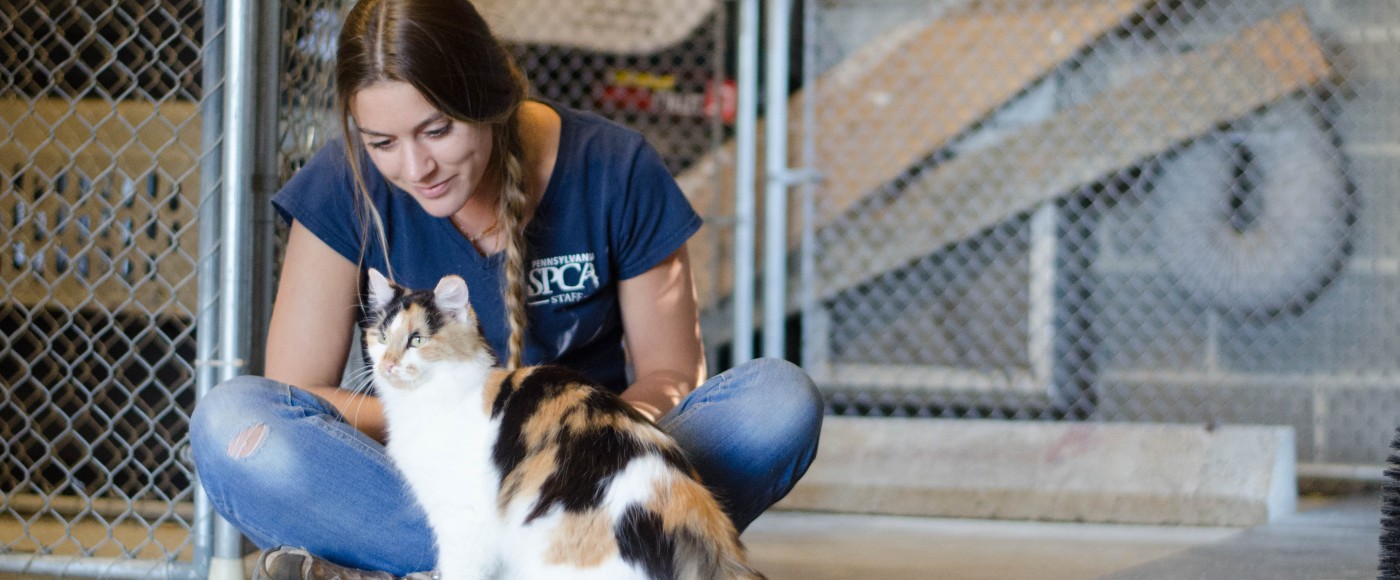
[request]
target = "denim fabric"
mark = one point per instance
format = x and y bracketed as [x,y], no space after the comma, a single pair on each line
[316,482]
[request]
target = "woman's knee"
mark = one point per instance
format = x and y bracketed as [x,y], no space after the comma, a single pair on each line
[231,420]
[786,398]
[786,386]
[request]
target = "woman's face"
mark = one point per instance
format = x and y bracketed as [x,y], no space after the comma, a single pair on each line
[437,160]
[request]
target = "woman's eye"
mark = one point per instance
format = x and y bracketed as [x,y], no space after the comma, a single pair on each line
[440,131]
[382,144]
[415,341]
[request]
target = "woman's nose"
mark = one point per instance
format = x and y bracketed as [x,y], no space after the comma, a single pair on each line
[418,162]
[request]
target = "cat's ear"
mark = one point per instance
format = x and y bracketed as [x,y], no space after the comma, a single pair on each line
[451,296]
[381,290]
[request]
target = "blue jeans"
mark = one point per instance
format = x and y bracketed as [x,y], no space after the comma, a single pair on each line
[310,479]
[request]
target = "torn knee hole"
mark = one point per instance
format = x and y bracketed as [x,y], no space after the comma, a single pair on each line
[247,441]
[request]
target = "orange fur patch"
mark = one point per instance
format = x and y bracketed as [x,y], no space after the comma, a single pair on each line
[497,380]
[582,540]
[550,415]
[525,481]
[684,504]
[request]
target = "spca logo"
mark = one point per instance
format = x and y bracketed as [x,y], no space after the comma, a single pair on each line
[562,279]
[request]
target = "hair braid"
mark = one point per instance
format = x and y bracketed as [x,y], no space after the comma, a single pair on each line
[511,210]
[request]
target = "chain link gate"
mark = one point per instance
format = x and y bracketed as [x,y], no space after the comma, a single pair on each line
[100,162]
[1127,210]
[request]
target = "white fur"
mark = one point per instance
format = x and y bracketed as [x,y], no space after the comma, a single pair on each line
[525,545]
[440,437]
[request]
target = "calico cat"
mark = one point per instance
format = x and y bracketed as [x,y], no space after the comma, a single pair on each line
[533,473]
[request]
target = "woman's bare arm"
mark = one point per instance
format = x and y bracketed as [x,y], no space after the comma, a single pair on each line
[312,325]
[661,325]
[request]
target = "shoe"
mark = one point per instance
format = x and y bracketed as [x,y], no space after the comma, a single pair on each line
[287,563]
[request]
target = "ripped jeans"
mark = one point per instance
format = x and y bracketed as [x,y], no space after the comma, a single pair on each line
[285,467]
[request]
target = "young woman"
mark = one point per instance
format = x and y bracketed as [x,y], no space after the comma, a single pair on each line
[448,168]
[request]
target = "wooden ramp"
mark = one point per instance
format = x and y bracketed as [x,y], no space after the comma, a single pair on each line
[1191,96]
[935,79]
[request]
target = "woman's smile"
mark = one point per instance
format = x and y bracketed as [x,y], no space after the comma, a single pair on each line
[436,190]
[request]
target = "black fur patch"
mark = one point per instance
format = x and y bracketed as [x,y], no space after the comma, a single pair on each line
[587,462]
[436,318]
[676,458]
[515,407]
[641,540]
[376,317]
[426,299]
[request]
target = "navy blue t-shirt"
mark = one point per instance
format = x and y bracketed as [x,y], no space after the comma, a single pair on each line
[611,212]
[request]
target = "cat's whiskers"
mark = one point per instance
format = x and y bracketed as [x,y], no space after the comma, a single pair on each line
[360,382]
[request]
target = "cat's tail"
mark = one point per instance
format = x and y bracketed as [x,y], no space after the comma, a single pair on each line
[724,559]
[707,544]
[739,570]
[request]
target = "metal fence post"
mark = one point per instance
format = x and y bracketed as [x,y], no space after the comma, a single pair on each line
[240,124]
[744,172]
[777,179]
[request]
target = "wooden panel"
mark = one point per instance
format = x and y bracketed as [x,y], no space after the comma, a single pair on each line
[902,98]
[631,27]
[1191,96]
[98,204]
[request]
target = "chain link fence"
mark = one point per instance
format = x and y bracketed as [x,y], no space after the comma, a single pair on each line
[1122,210]
[99,190]
[1119,210]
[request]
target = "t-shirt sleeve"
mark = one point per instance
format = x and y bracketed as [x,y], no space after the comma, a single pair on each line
[653,218]
[321,195]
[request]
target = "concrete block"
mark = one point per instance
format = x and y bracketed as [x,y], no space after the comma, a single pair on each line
[1081,472]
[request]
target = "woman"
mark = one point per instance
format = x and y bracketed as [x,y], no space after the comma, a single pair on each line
[574,218]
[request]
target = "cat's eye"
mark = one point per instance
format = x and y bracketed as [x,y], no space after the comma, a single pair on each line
[382,338]
[415,341]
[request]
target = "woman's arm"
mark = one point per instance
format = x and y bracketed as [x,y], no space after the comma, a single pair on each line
[661,326]
[312,325]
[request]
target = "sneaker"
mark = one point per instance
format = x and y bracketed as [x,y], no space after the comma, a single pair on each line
[287,563]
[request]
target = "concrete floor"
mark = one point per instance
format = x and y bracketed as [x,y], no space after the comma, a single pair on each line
[1330,538]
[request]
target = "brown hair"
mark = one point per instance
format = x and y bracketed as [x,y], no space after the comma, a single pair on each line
[446,51]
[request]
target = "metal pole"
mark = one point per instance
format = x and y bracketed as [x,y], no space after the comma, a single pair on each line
[207,323]
[239,134]
[744,171]
[808,267]
[777,180]
[263,256]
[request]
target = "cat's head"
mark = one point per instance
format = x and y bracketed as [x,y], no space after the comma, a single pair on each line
[410,334]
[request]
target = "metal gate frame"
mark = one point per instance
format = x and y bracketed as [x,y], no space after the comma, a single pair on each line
[240,41]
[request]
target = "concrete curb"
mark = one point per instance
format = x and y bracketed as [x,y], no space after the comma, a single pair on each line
[1082,472]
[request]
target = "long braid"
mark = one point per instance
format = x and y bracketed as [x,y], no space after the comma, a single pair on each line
[511,210]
